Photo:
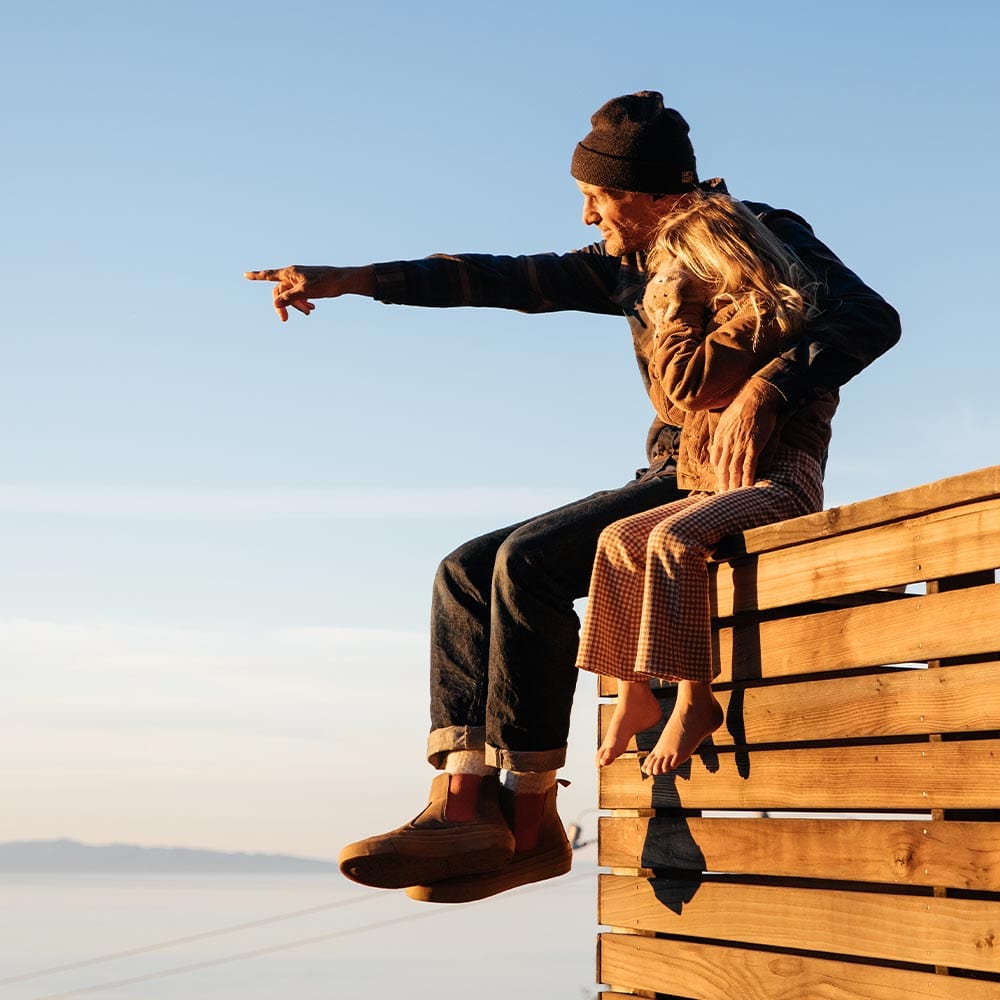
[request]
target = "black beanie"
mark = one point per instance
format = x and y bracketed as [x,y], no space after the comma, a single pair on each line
[637,144]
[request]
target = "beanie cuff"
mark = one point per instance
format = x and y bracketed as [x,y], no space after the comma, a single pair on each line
[621,173]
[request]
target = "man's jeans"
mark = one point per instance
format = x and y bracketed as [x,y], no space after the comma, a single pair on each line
[504,633]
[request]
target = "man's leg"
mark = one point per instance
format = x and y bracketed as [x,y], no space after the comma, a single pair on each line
[540,568]
[493,658]
[504,633]
[462,829]
[460,643]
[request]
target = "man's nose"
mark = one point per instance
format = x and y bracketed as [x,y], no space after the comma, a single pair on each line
[590,214]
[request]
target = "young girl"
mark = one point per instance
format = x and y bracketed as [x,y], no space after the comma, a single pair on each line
[725,297]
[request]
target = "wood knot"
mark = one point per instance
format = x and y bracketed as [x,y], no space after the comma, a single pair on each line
[902,860]
[785,967]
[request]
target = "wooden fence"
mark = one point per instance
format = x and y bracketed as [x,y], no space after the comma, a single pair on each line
[840,836]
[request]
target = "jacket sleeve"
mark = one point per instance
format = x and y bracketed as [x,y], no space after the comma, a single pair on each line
[856,325]
[582,280]
[695,366]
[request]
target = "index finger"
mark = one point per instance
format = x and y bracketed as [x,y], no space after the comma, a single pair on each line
[261,275]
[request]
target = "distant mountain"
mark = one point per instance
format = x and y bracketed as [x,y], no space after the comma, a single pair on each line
[70,856]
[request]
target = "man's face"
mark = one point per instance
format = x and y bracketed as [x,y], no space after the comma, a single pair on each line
[627,219]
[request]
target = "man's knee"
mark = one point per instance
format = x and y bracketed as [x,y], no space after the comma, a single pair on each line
[552,566]
[518,555]
[529,559]
[468,569]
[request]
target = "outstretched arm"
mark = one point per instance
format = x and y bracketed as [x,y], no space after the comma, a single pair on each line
[585,280]
[296,286]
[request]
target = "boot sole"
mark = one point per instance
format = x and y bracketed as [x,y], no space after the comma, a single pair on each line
[423,859]
[520,871]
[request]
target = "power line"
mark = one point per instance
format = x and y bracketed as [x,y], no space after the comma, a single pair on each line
[175,942]
[287,946]
[242,956]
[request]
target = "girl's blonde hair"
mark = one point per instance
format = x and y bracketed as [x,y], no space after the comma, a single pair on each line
[723,243]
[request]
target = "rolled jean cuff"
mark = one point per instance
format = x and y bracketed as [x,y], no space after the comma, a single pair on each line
[525,760]
[442,741]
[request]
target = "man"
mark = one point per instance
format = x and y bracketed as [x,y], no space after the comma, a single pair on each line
[503,630]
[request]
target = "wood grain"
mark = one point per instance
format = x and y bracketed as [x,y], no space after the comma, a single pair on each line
[914,630]
[964,774]
[958,855]
[946,543]
[929,930]
[716,972]
[982,484]
[914,702]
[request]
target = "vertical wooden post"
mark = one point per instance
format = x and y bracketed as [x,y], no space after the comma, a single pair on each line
[951,583]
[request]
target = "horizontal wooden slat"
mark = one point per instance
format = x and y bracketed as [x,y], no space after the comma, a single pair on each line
[714,972]
[949,854]
[963,774]
[970,487]
[914,630]
[917,629]
[931,930]
[610,995]
[946,543]
[897,703]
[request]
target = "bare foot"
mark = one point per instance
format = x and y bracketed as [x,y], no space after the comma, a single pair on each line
[637,709]
[696,715]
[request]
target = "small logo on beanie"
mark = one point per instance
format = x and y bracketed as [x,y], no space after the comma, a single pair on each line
[687,177]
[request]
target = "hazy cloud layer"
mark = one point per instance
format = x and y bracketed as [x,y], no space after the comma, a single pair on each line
[216,736]
[277,503]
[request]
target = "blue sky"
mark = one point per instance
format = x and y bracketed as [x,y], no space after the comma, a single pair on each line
[217,532]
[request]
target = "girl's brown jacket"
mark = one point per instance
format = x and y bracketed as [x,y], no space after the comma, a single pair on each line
[702,358]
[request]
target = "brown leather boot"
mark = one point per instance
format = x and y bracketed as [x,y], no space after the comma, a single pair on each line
[543,851]
[433,846]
